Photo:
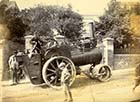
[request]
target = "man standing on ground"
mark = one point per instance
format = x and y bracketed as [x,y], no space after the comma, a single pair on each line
[19,59]
[65,80]
[13,67]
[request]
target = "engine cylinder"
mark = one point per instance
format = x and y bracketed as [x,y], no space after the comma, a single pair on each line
[92,57]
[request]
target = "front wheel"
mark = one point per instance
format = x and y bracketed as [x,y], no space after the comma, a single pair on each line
[51,71]
[102,72]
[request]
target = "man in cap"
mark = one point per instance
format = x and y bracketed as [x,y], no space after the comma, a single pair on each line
[65,80]
[13,67]
[37,42]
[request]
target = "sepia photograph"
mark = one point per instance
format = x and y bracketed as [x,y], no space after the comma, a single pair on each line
[69,50]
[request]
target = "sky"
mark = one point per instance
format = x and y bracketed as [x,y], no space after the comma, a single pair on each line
[86,7]
[92,7]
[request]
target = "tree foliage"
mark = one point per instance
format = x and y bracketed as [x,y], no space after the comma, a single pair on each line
[41,20]
[9,17]
[136,9]
[115,24]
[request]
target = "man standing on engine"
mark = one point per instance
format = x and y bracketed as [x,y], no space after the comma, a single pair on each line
[37,42]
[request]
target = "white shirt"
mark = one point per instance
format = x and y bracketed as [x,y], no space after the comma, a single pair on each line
[12,62]
[65,75]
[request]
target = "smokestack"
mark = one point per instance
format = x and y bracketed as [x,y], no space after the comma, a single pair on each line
[92,29]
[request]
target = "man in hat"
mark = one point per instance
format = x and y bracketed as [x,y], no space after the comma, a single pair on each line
[65,80]
[20,62]
[13,68]
[37,42]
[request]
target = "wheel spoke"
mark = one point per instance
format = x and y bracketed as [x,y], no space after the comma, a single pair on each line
[49,74]
[57,63]
[51,70]
[55,80]
[102,70]
[53,66]
[103,73]
[67,65]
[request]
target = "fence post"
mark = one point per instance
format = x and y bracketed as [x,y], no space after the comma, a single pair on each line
[108,52]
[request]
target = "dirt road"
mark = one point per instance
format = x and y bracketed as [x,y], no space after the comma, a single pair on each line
[118,89]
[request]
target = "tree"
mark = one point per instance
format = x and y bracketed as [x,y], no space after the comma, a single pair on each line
[115,23]
[9,16]
[11,22]
[15,24]
[136,8]
[42,20]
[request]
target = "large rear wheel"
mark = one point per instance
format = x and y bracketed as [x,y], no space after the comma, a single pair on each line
[52,70]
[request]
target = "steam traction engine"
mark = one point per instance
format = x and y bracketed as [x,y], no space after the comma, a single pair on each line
[45,66]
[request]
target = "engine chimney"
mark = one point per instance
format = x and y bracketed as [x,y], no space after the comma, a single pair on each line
[92,29]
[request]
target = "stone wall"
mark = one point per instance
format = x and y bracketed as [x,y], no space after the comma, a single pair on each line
[120,60]
[123,61]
